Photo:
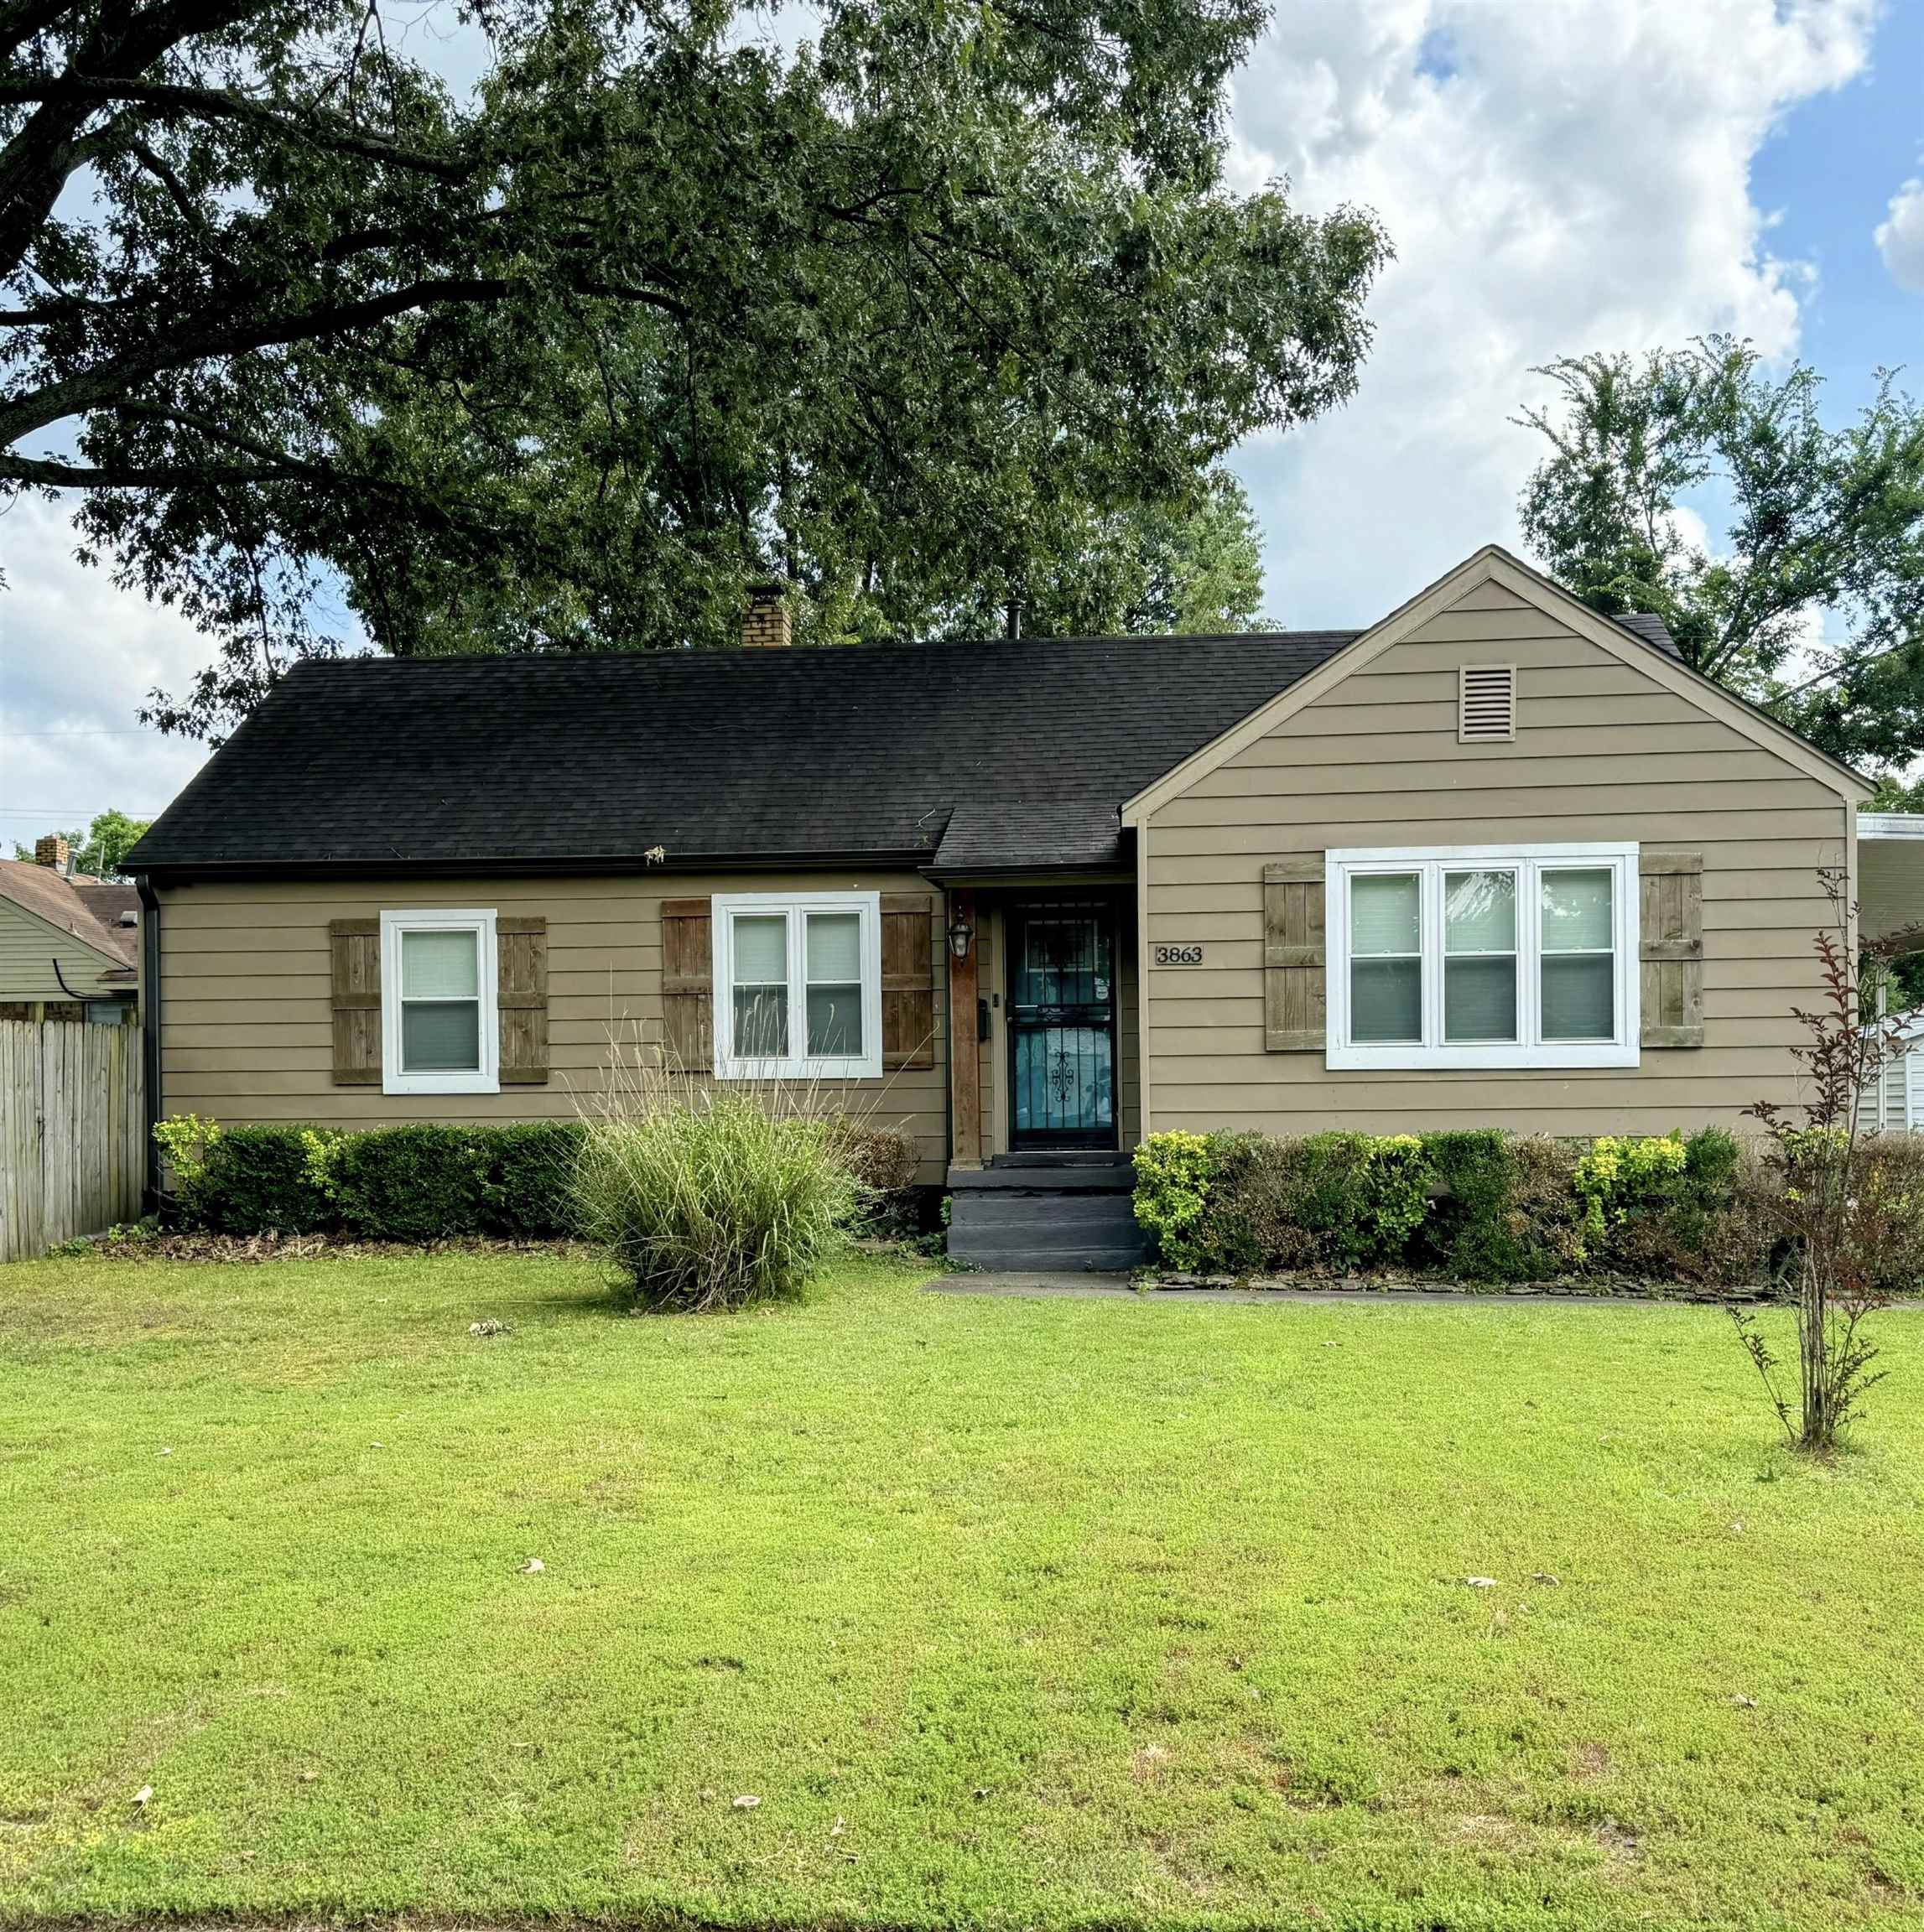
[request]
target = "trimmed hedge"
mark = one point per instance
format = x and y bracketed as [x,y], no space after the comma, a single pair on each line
[257,1178]
[1481,1206]
[419,1182]
[425,1182]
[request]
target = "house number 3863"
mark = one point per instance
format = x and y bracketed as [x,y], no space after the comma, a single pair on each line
[1190,955]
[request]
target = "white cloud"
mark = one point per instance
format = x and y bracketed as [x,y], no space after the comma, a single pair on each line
[1557,175]
[76,658]
[1901,238]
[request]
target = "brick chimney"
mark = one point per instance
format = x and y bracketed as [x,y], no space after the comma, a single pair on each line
[51,849]
[767,626]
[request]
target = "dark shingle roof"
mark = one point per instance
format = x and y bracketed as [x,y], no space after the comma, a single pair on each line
[980,756]
[1652,629]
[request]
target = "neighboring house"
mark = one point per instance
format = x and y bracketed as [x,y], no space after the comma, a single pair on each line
[1496,861]
[67,944]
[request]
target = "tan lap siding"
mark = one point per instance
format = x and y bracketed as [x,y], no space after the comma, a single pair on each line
[1602,752]
[245,1029]
[1128,1028]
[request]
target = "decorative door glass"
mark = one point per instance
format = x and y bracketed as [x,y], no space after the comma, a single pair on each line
[1061,1025]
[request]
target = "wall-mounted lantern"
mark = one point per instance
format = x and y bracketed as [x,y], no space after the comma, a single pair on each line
[961,935]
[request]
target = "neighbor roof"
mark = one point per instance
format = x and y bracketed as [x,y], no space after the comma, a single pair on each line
[978,757]
[87,909]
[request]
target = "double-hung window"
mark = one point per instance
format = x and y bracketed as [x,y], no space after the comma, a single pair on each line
[1482,956]
[797,985]
[440,1032]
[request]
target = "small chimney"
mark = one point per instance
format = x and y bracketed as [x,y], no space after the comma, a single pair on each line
[51,849]
[767,626]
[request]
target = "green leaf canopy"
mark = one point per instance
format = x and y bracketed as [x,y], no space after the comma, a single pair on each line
[947,312]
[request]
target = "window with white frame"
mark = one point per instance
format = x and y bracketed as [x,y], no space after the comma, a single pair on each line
[1482,956]
[439,1029]
[797,985]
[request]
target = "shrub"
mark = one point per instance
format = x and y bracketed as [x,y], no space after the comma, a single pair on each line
[527,1187]
[185,1141]
[1617,1178]
[1173,1173]
[1891,1167]
[1509,1210]
[1334,1200]
[1479,1206]
[1249,1223]
[413,1183]
[1238,1203]
[1713,1223]
[241,1180]
[882,1162]
[421,1182]
[258,1181]
[713,1199]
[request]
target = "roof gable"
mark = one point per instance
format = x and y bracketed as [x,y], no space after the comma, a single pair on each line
[1492,564]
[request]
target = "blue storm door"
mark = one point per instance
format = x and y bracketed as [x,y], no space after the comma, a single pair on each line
[1061,1025]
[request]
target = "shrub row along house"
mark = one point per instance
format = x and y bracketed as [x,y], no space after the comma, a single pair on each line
[1496,861]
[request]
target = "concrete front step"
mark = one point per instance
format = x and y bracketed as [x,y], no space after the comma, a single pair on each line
[1054,1260]
[1036,1226]
[1108,1178]
[1057,1159]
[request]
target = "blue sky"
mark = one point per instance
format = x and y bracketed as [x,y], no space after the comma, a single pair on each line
[1830,172]
[1557,175]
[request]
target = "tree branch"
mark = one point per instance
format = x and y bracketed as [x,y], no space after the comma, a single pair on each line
[47,475]
[169,101]
[108,383]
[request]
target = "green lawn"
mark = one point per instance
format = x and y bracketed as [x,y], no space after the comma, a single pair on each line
[1019,1613]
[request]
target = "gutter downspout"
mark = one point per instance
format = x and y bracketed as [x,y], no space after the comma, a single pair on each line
[150,1034]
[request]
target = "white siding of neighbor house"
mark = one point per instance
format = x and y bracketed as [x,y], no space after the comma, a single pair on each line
[29,948]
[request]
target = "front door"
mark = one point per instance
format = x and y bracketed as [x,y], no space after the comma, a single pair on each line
[1061,1025]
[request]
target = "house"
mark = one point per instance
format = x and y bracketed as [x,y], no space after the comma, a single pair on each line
[67,943]
[1495,861]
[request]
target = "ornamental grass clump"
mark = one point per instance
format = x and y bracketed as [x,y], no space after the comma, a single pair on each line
[714,1198]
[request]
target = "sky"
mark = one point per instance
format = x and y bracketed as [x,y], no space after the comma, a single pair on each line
[1557,176]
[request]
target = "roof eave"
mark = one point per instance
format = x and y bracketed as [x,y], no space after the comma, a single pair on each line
[184,872]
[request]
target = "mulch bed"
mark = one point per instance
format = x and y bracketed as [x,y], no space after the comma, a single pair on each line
[184,1246]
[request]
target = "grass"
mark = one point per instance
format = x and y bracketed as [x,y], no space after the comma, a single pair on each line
[1015,1613]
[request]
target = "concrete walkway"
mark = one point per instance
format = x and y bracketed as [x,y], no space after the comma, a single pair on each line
[1089,1287]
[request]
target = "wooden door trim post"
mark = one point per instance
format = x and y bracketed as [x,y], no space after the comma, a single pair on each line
[964,1053]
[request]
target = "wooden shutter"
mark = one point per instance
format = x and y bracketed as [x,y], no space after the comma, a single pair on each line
[688,985]
[1672,948]
[1294,955]
[907,981]
[354,967]
[521,995]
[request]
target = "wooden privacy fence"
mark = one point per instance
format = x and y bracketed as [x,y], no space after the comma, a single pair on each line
[73,1153]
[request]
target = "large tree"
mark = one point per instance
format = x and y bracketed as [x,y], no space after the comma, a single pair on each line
[905,316]
[1806,594]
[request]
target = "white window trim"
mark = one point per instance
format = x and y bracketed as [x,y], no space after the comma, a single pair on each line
[437,919]
[1431,862]
[797,1065]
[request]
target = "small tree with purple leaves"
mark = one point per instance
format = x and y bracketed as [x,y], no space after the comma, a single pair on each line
[1851,1219]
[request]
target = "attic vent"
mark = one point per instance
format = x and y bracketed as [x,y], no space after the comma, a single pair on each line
[1486,703]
